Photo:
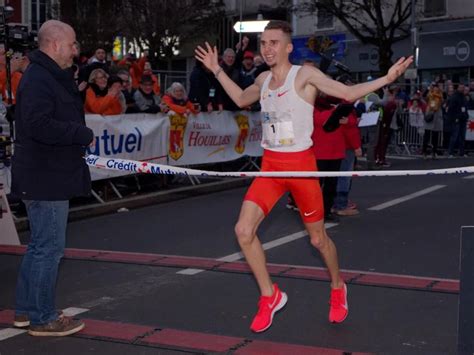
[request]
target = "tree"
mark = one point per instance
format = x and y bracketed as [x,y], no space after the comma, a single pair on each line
[377,22]
[91,21]
[164,26]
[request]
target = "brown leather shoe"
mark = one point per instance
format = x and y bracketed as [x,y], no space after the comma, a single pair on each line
[58,328]
[23,321]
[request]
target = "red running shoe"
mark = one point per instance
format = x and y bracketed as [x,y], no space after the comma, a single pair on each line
[339,308]
[267,307]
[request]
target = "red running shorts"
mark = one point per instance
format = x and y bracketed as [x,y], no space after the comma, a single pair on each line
[265,192]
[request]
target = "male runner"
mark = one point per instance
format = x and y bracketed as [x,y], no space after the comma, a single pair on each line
[287,93]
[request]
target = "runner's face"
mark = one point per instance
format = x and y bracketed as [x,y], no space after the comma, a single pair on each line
[275,47]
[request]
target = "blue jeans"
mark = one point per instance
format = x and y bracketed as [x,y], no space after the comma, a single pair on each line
[458,137]
[344,183]
[35,290]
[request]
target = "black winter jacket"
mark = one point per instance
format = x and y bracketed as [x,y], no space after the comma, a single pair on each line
[51,134]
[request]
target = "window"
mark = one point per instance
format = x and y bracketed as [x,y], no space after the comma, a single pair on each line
[435,8]
[325,19]
[39,13]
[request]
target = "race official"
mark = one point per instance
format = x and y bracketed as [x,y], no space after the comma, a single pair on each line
[48,169]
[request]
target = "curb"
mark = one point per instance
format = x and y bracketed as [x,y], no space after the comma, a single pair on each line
[99,209]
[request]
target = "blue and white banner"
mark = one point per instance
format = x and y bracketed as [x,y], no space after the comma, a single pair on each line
[470,126]
[175,139]
[141,137]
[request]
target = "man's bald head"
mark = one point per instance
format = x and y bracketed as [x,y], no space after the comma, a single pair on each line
[58,40]
[52,30]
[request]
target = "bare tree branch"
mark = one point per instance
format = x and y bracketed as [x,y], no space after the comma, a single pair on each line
[378,22]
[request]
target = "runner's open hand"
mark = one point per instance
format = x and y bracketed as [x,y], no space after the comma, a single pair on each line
[208,57]
[399,68]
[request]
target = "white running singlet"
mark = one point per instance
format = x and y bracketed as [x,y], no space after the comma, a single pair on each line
[287,119]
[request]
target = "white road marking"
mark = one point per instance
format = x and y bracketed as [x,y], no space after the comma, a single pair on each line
[10,332]
[469,177]
[97,302]
[190,271]
[406,198]
[396,157]
[269,245]
[74,311]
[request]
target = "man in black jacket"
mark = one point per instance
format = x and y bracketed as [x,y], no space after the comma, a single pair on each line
[47,170]
[458,116]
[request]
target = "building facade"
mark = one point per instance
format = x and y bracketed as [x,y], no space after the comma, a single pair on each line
[445,37]
[31,12]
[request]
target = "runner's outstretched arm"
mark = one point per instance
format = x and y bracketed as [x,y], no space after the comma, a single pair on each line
[352,93]
[242,98]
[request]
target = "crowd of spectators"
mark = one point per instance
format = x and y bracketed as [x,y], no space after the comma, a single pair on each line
[130,86]
[439,109]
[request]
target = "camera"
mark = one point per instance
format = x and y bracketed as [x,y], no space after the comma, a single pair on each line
[15,36]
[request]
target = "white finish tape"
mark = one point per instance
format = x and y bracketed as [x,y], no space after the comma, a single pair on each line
[152,168]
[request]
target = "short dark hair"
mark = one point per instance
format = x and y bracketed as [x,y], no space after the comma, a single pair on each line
[114,79]
[284,26]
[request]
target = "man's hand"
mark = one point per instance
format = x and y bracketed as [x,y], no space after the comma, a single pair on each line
[245,43]
[208,57]
[344,120]
[399,68]
[164,108]
[358,152]
[82,86]
[209,107]
[115,90]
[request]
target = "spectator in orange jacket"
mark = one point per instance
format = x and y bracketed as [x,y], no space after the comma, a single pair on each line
[177,100]
[18,65]
[101,99]
[135,67]
[147,71]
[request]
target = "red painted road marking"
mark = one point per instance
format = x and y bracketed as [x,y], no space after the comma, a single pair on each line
[114,330]
[145,335]
[6,316]
[258,347]
[355,277]
[192,340]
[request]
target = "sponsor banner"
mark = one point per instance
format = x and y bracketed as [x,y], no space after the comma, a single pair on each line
[141,137]
[151,168]
[214,137]
[470,126]
[175,139]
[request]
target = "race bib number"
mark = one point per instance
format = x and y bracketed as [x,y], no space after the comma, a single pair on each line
[277,130]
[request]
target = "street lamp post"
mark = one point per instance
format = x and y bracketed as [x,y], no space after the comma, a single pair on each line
[414,41]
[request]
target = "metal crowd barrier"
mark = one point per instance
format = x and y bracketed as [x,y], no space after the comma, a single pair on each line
[409,139]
